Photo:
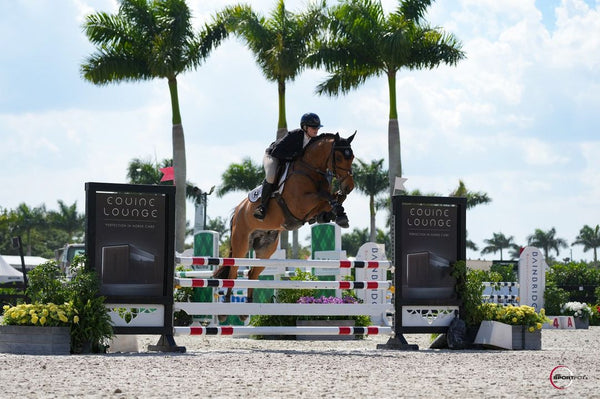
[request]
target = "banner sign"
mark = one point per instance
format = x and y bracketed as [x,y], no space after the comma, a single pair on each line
[532,278]
[430,238]
[130,243]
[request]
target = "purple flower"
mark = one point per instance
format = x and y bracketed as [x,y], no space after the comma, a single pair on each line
[326,300]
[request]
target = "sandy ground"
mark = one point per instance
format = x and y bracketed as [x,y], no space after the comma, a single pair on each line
[220,367]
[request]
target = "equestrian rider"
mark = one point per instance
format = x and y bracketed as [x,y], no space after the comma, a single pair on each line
[287,148]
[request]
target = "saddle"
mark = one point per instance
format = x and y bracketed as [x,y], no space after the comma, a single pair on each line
[256,193]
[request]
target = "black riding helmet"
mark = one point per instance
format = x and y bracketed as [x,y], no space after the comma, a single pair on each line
[310,119]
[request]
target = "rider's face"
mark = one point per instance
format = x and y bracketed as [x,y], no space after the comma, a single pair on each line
[312,131]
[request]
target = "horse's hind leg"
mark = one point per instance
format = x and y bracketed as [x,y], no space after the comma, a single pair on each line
[225,272]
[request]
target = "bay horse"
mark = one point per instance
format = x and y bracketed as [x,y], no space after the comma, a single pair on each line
[306,197]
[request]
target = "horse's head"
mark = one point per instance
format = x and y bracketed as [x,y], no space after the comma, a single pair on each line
[341,162]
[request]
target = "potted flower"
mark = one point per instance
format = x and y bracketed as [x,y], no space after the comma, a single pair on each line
[70,308]
[581,313]
[42,329]
[523,322]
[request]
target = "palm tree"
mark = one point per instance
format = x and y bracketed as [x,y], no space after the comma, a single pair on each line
[590,239]
[280,44]
[473,198]
[145,40]
[141,171]
[241,176]
[497,243]
[547,241]
[363,42]
[371,180]
[68,220]
[27,220]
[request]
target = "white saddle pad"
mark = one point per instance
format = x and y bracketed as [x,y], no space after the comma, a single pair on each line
[255,194]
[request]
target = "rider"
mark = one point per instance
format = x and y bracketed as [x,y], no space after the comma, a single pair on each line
[287,148]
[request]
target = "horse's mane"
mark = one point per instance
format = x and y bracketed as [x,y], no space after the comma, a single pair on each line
[322,137]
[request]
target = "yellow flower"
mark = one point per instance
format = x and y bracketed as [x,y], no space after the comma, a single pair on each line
[44,312]
[76,319]
[42,320]
[62,317]
[5,307]
[539,326]
[34,319]
[514,319]
[531,329]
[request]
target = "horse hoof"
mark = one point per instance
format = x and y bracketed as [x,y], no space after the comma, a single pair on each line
[342,221]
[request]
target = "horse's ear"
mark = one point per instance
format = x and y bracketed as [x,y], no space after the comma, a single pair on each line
[337,136]
[351,137]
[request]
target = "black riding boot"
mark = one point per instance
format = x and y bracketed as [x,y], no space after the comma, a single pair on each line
[267,190]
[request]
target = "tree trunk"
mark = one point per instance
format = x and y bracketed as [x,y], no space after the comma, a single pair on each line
[282,122]
[395,164]
[394,153]
[295,245]
[372,214]
[179,167]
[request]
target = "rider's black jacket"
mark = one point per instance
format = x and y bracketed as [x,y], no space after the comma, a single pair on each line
[289,147]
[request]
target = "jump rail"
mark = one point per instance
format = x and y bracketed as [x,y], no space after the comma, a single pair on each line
[282,309]
[282,263]
[245,331]
[283,284]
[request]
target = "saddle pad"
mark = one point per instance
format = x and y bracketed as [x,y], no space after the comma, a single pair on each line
[256,193]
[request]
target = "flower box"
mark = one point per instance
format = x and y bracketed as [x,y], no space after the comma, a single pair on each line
[33,340]
[522,338]
[582,323]
[495,334]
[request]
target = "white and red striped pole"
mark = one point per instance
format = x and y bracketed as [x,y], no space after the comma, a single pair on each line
[282,284]
[245,331]
[295,263]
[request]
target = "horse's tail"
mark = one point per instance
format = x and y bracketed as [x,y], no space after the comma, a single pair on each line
[222,272]
[233,213]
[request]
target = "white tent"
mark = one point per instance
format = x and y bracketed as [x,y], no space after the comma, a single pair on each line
[30,261]
[9,274]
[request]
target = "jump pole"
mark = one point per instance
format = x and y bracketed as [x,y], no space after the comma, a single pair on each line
[283,284]
[246,331]
[281,263]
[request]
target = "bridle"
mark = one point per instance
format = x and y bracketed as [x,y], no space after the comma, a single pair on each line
[346,151]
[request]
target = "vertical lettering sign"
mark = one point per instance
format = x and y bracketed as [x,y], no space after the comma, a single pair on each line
[130,243]
[532,278]
[428,238]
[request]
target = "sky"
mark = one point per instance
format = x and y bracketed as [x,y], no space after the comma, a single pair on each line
[518,118]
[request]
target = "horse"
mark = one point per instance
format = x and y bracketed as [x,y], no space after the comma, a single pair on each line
[306,196]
